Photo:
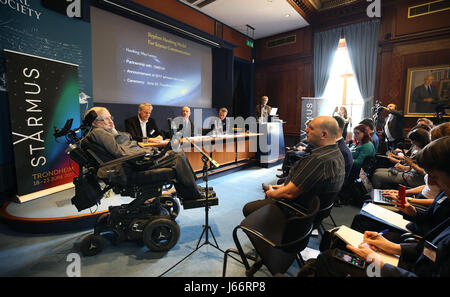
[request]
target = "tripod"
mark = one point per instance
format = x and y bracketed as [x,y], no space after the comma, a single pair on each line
[206,228]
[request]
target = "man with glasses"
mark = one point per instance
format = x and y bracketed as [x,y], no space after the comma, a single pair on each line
[115,144]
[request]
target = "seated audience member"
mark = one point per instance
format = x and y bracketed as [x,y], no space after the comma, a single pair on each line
[416,259]
[422,195]
[295,153]
[425,122]
[408,174]
[118,144]
[373,134]
[425,195]
[440,130]
[142,125]
[320,173]
[348,158]
[363,148]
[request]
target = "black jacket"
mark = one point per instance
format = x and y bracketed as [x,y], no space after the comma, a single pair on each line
[133,126]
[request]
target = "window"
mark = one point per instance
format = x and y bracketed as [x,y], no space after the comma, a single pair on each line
[342,88]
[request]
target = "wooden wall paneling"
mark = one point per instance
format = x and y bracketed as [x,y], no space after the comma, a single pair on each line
[241,50]
[301,47]
[433,21]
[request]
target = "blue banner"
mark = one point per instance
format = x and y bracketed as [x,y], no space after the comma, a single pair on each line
[28,27]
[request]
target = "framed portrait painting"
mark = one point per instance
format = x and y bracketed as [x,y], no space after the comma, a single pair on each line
[426,88]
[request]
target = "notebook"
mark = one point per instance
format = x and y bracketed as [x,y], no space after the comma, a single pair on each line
[387,216]
[356,238]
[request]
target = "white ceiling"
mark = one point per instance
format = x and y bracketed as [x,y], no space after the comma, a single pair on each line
[267,17]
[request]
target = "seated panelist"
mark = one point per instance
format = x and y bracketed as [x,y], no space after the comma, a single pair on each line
[221,124]
[142,125]
[114,144]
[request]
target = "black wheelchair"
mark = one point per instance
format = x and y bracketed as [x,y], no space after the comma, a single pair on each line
[150,217]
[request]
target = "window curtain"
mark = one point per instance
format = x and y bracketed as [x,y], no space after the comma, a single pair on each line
[325,46]
[362,40]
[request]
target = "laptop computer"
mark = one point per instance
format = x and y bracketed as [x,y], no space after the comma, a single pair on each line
[375,194]
[273,111]
[377,197]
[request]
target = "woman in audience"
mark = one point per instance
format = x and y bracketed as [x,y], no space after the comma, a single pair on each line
[424,195]
[428,257]
[408,174]
[421,195]
[363,148]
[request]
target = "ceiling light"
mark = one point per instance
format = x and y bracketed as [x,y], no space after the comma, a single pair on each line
[287,15]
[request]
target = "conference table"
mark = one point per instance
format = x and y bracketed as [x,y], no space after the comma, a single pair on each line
[229,150]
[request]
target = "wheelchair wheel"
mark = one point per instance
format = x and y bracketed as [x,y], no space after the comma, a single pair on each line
[170,204]
[92,245]
[161,234]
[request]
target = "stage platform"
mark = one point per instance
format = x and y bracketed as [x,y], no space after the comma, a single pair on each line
[55,213]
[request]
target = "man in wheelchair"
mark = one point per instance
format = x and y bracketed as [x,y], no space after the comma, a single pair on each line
[109,144]
[108,156]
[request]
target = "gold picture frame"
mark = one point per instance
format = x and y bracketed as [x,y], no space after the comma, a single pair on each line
[420,102]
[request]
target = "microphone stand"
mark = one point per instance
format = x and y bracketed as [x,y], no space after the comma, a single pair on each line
[206,227]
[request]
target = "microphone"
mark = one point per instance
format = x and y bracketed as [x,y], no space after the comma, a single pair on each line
[67,126]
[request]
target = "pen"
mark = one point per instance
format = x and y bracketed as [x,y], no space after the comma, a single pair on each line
[382,232]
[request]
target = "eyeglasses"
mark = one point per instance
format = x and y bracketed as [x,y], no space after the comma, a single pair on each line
[106,119]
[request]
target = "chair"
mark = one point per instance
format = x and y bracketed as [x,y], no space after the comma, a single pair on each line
[321,215]
[278,232]
[369,165]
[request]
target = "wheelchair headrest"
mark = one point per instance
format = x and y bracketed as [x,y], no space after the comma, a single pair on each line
[89,118]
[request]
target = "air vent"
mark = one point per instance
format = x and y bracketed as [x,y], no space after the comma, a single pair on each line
[204,3]
[281,41]
[199,3]
[428,8]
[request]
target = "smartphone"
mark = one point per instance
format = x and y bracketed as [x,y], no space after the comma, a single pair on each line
[402,195]
[349,258]
[265,187]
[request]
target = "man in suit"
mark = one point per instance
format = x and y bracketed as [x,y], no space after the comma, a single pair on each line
[188,126]
[262,110]
[142,125]
[393,127]
[116,144]
[424,95]
[222,124]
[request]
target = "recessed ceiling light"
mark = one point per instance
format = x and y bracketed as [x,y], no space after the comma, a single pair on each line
[287,15]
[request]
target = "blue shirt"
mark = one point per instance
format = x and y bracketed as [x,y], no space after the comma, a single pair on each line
[348,158]
[376,140]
